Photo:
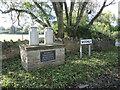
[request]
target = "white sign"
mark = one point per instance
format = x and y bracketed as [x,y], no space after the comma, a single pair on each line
[83,42]
[86,41]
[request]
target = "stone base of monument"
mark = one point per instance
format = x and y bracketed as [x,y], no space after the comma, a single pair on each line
[33,57]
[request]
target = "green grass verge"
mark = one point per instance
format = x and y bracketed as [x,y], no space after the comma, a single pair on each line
[75,70]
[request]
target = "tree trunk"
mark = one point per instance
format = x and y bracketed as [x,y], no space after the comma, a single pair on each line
[70,13]
[66,11]
[58,7]
[60,25]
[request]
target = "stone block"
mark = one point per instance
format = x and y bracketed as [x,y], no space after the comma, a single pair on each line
[33,57]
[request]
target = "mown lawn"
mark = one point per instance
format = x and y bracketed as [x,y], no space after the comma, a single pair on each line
[75,70]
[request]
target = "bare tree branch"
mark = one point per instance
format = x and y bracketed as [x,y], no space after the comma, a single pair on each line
[96,16]
[112,2]
[43,12]
[18,17]
[28,12]
[100,11]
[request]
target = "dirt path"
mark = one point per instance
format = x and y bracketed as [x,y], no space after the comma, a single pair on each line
[103,81]
[106,81]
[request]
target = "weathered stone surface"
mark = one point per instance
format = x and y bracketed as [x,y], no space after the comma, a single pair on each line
[41,47]
[30,55]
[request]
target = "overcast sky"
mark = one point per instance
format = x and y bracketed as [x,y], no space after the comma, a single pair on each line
[6,22]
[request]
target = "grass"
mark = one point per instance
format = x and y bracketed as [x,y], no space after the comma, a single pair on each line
[75,70]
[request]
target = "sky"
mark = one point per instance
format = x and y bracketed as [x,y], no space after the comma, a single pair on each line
[113,8]
[5,20]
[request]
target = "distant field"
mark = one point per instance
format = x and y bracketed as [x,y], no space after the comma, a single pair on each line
[15,37]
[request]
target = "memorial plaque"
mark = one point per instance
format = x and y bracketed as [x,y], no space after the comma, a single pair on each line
[47,55]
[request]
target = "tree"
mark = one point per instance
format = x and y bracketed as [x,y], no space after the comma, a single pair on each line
[39,12]
[82,7]
[105,21]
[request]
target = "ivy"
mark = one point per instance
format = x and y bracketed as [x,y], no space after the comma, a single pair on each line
[75,70]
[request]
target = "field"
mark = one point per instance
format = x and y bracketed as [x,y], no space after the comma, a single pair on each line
[15,37]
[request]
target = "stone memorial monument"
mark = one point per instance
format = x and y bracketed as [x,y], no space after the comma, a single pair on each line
[35,55]
[33,36]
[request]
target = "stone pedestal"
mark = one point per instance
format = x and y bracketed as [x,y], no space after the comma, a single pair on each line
[33,57]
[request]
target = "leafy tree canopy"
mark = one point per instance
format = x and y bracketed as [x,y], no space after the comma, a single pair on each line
[41,12]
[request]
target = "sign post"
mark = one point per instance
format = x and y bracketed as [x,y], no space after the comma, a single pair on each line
[80,51]
[85,42]
[89,50]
